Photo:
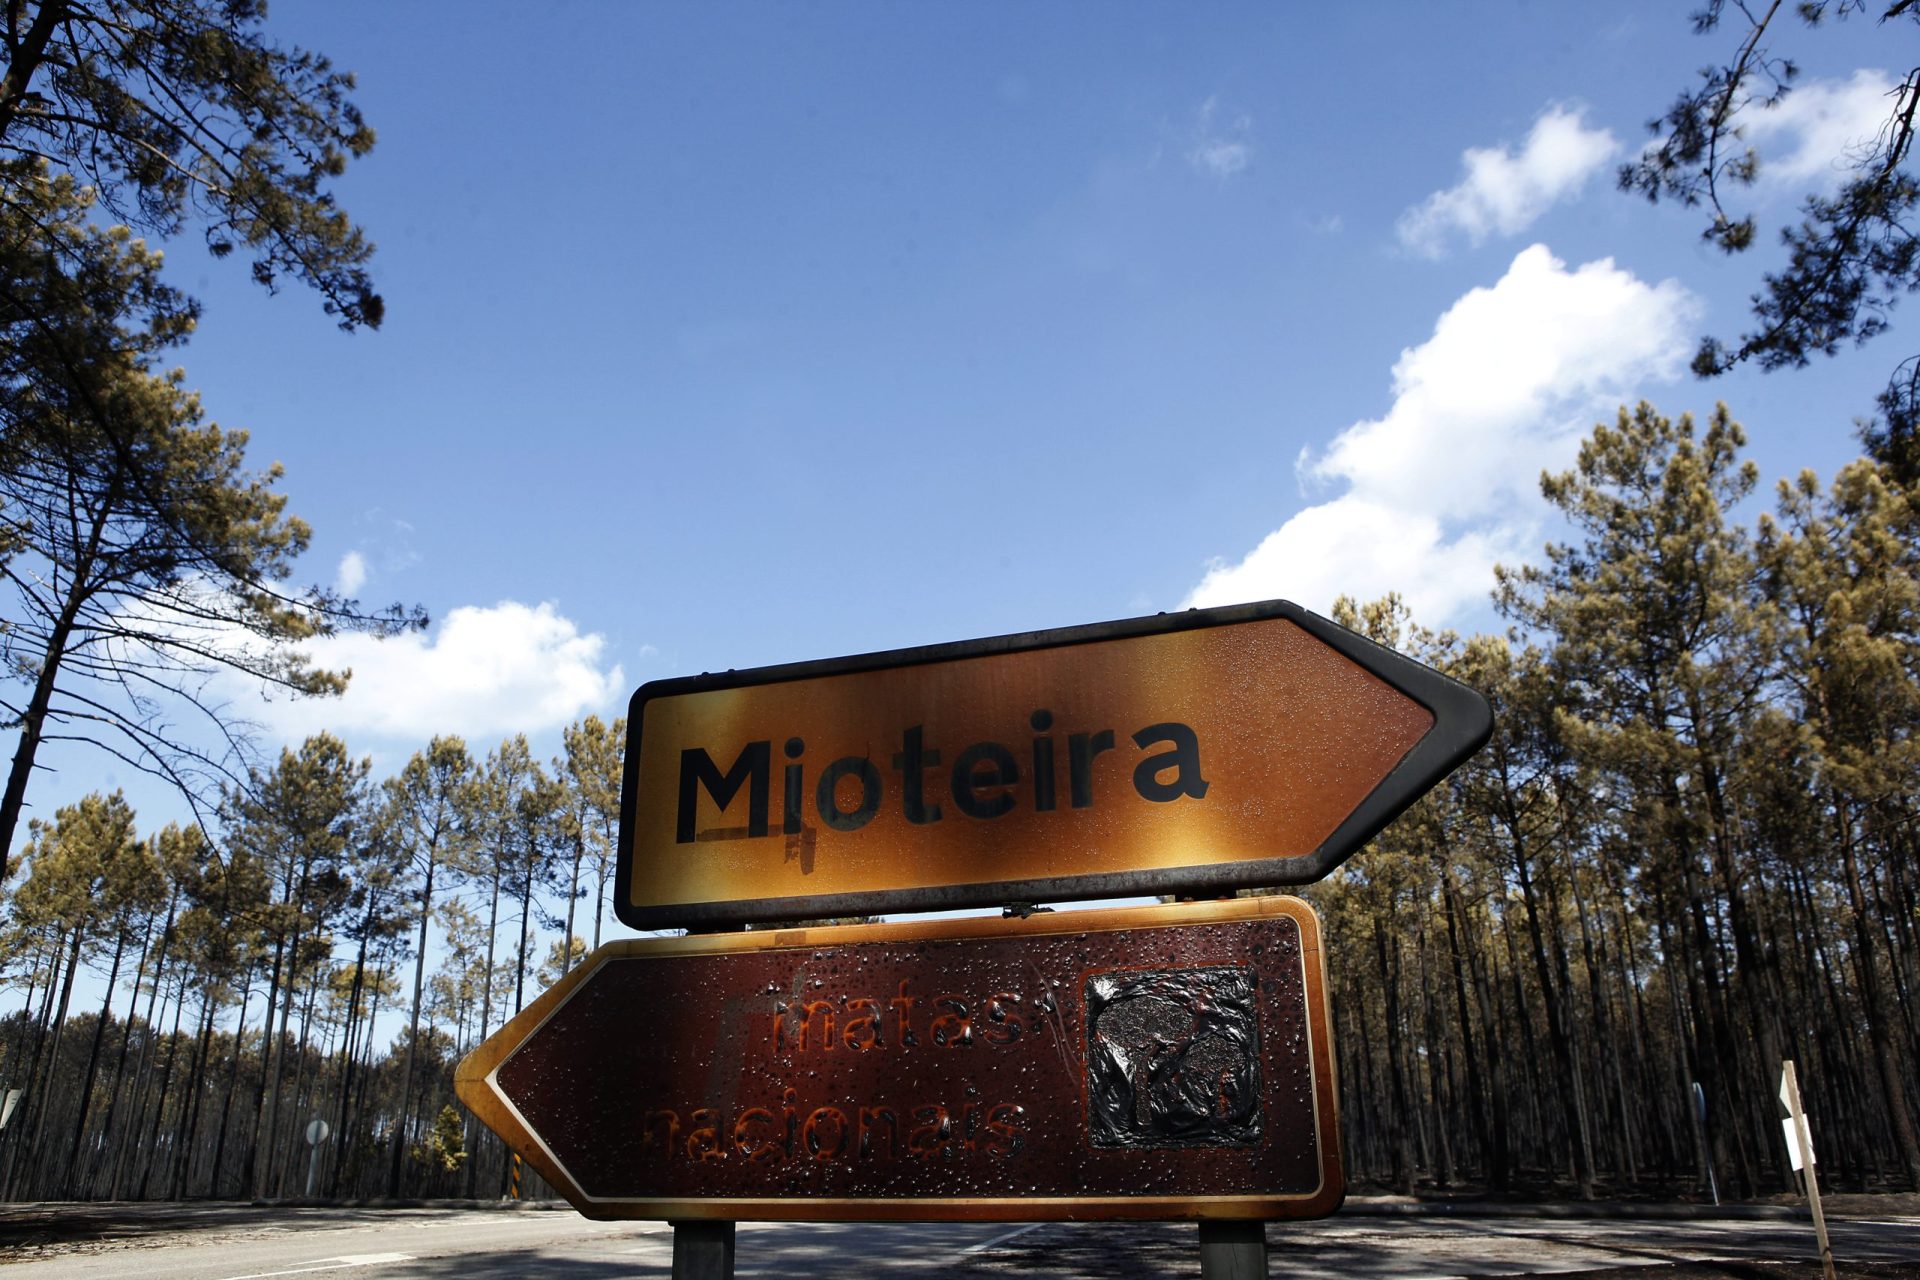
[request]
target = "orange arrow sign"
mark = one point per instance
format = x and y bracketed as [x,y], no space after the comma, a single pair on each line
[1191,753]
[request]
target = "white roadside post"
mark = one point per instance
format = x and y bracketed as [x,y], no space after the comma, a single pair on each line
[1800,1148]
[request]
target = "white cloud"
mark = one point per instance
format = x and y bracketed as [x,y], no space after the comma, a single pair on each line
[480,672]
[1818,129]
[1445,484]
[352,574]
[1503,193]
[1220,148]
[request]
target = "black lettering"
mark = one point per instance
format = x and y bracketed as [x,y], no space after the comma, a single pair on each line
[790,798]
[861,815]
[981,767]
[913,760]
[1081,749]
[1184,757]
[698,770]
[1043,794]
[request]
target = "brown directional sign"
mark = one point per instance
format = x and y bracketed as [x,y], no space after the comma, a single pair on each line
[1156,1062]
[1193,752]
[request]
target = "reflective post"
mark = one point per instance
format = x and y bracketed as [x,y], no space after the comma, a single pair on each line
[702,1250]
[1233,1249]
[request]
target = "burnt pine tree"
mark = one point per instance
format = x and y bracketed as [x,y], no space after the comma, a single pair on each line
[298,821]
[78,867]
[1844,566]
[129,893]
[425,803]
[592,769]
[1665,657]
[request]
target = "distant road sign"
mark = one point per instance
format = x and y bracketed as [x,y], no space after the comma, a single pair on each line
[1158,1062]
[1189,752]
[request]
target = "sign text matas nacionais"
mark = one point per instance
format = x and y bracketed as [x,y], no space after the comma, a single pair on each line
[1153,1062]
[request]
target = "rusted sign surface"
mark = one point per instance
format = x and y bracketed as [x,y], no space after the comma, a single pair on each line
[1192,752]
[1167,1062]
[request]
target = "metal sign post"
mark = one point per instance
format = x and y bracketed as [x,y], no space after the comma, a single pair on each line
[703,1250]
[1233,1250]
[1703,1141]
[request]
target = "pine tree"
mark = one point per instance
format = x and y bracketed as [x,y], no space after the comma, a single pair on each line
[1666,656]
[182,111]
[76,873]
[1854,254]
[144,557]
[1844,567]
[593,767]
[429,805]
[298,821]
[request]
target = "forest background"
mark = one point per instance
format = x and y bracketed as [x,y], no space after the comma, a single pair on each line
[1687,853]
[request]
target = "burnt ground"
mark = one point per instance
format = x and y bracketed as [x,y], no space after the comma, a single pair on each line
[30,1232]
[44,1230]
[1161,1249]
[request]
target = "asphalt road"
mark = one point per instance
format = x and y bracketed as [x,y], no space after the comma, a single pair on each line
[350,1244]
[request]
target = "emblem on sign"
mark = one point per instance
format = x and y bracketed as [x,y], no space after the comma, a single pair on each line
[1173,1058]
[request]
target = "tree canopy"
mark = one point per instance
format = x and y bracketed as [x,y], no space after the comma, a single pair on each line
[179,111]
[1853,254]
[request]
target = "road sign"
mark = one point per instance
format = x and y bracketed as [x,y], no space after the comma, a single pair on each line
[317,1131]
[1192,752]
[1159,1062]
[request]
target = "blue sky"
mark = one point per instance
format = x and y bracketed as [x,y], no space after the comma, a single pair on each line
[724,335]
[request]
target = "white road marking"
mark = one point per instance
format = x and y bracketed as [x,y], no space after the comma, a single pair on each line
[331,1264]
[1002,1239]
